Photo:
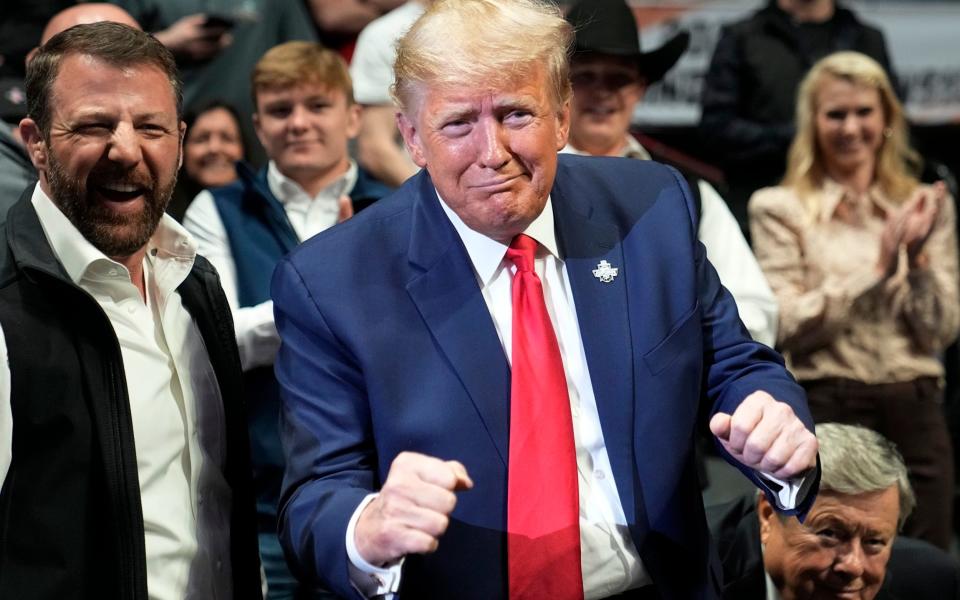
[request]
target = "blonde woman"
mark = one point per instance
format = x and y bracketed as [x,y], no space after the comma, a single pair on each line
[863,261]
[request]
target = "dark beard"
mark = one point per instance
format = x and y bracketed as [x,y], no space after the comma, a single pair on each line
[116,235]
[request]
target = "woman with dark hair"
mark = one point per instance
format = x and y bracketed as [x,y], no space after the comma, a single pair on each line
[863,261]
[213,145]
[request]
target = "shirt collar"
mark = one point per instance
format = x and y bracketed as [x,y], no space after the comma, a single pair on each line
[833,193]
[772,592]
[631,149]
[285,189]
[77,254]
[486,253]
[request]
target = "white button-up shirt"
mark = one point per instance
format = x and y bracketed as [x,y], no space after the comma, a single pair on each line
[257,336]
[175,405]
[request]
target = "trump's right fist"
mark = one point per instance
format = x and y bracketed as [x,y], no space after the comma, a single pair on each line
[412,510]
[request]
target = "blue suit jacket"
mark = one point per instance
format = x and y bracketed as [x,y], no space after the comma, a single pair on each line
[388,346]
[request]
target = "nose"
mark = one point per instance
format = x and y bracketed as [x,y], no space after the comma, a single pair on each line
[298,118]
[850,124]
[125,146]
[493,151]
[850,560]
[215,144]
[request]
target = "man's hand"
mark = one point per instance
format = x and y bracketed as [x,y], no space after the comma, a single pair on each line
[765,435]
[345,208]
[191,39]
[412,510]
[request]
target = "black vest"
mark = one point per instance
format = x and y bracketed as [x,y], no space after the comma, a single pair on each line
[71,524]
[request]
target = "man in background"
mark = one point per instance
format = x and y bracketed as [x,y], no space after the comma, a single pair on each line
[305,117]
[610,76]
[848,546]
[379,147]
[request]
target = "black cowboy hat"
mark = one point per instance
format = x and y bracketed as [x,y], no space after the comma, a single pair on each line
[609,27]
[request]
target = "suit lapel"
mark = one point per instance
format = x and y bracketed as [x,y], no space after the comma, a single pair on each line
[603,317]
[448,297]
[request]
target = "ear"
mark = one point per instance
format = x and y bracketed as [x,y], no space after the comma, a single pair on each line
[34,143]
[411,137]
[563,125]
[354,115]
[638,94]
[767,517]
[183,136]
[258,130]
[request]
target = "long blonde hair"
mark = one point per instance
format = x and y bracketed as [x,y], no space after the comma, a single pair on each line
[897,163]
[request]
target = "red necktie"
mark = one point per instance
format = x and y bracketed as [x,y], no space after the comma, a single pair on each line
[543,541]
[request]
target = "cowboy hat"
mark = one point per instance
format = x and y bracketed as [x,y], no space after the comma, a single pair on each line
[609,27]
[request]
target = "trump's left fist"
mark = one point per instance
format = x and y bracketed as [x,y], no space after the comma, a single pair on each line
[765,435]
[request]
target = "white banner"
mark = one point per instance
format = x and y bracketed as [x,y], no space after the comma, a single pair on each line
[923,39]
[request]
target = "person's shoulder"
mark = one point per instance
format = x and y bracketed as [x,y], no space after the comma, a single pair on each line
[367,188]
[615,171]
[752,23]
[390,26]
[776,200]
[374,231]
[919,570]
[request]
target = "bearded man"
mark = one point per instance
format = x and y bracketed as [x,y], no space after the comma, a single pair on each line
[130,473]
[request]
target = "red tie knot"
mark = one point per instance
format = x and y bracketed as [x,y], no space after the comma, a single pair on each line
[521,252]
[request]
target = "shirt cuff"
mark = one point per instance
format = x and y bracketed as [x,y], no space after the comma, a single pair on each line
[257,337]
[369,580]
[788,493]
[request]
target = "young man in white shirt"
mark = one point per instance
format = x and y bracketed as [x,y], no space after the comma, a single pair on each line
[305,116]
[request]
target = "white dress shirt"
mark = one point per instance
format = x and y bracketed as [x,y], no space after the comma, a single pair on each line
[729,254]
[175,405]
[257,336]
[609,560]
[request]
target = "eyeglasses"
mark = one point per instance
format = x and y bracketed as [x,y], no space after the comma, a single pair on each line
[610,80]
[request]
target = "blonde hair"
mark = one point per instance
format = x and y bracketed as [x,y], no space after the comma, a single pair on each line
[296,63]
[484,43]
[896,161]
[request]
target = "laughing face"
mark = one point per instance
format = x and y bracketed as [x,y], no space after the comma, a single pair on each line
[110,160]
[606,89]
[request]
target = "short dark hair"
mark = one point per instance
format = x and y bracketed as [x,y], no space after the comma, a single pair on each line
[116,44]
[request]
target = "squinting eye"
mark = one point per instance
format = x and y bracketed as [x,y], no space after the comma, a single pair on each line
[455,127]
[828,534]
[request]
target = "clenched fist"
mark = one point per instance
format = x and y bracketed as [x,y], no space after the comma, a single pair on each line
[412,510]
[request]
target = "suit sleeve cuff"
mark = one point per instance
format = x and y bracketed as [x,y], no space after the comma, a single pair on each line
[369,580]
[787,494]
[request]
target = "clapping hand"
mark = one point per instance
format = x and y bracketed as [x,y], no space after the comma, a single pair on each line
[911,227]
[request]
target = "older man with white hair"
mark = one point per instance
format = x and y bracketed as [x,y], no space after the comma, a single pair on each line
[848,546]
